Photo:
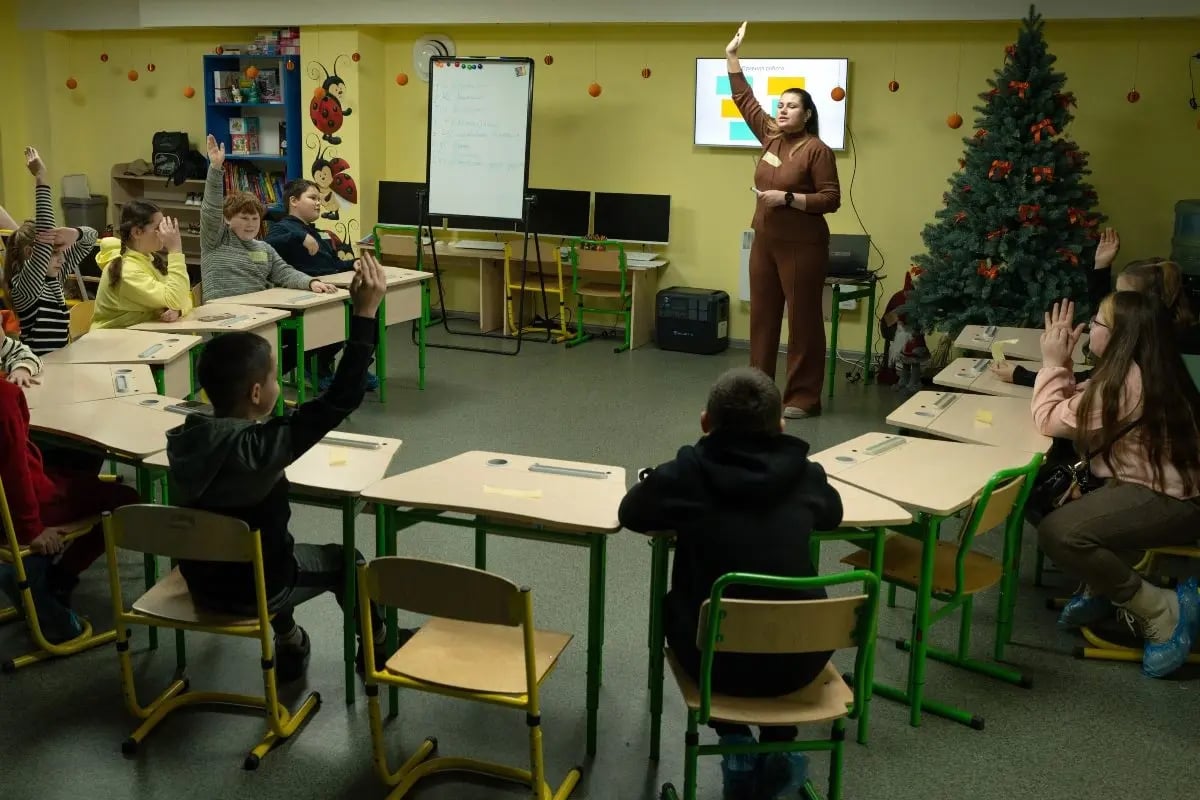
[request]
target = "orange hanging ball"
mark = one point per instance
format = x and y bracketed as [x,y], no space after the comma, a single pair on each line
[219,50]
[133,75]
[72,83]
[402,79]
[291,65]
[594,90]
[252,72]
[104,56]
[838,94]
[893,86]
[1133,96]
[356,57]
[549,60]
[645,72]
[151,67]
[189,92]
[955,121]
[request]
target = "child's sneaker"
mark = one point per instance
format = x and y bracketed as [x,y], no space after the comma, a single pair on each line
[737,770]
[291,660]
[782,775]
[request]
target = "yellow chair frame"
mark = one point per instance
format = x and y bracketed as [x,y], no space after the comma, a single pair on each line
[14,553]
[465,594]
[186,534]
[535,281]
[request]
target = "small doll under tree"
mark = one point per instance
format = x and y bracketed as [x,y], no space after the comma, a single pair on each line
[907,352]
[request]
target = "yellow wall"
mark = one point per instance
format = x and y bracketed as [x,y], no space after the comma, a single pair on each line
[637,136]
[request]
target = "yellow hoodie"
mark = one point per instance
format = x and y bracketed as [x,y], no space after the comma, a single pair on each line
[143,293]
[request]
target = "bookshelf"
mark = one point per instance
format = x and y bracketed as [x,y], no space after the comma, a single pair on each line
[261,167]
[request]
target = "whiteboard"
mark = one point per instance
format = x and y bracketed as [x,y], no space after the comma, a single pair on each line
[478,154]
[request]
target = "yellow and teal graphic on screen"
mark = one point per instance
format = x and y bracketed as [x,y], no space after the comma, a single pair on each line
[718,122]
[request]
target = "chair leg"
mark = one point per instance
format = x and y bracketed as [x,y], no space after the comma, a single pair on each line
[836,756]
[691,755]
[86,640]
[966,615]
[891,597]
[1039,565]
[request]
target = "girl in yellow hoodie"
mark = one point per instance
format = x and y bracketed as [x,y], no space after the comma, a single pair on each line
[138,284]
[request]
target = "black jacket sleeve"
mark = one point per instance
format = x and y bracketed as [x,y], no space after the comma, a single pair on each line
[654,503]
[822,498]
[281,440]
[288,240]
[1099,284]
[1024,377]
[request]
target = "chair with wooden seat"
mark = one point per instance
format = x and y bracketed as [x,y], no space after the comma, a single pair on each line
[960,572]
[1100,645]
[13,556]
[81,318]
[480,644]
[186,534]
[607,278]
[730,625]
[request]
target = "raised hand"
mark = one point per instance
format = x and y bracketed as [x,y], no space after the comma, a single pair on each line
[368,287]
[736,42]
[1106,251]
[35,165]
[60,238]
[216,152]
[168,230]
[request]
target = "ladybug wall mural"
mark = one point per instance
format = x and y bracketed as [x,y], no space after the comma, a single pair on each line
[342,241]
[327,110]
[331,174]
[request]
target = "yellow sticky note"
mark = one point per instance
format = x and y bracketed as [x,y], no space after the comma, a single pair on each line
[337,456]
[983,417]
[527,494]
[998,349]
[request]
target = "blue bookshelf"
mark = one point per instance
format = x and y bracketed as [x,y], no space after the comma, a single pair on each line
[289,111]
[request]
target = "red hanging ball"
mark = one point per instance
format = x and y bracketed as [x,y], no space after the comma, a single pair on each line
[1133,96]
[291,65]
[645,72]
[549,59]
[104,56]
[219,50]
[594,89]
[189,92]
[72,83]
[893,86]
[151,67]
[355,57]
[402,79]
[132,75]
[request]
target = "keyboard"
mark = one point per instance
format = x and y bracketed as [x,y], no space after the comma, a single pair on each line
[481,244]
[641,255]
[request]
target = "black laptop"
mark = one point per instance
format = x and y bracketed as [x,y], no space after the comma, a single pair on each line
[848,255]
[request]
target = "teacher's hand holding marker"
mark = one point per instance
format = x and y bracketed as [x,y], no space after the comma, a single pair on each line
[795,185]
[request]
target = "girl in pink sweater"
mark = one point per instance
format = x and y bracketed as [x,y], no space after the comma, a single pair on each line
[1138,420]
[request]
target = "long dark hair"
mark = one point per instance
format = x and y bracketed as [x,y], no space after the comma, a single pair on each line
[1164,278]
[134,214]
[1169,427]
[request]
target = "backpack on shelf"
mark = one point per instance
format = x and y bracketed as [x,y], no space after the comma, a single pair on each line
[169,149]
[193,166]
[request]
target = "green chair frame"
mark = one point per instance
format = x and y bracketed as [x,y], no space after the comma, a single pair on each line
[582,259]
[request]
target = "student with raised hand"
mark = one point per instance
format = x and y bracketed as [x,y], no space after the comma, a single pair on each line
[137,283]
[234,463]
[1138,420]
[36,258]
[233,260]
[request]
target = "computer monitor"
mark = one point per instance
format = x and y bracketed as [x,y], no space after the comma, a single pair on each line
[563,213]
[398,203]
[636,218]
[483,224]
[849,253]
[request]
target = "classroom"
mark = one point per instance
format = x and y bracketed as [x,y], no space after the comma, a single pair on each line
[435,305]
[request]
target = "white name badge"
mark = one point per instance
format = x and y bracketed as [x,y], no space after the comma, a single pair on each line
[771,159]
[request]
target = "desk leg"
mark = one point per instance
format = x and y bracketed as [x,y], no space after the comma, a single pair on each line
[301,365]
[160,383]
[869,354]
[491,295]
[385,545]
[660,556]
[595,636]
[145,490]
[381,350]
[480,546]
[834,314]
[350,595]
[921,622]
[641,320]
[864,717]
[279,368]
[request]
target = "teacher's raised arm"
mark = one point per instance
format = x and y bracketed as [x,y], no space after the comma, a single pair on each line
[760,121]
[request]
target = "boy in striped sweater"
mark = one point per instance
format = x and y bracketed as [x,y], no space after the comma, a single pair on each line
[232,260]
[19,364]
[36,260]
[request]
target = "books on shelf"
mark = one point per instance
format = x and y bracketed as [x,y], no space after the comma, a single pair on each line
[243,176]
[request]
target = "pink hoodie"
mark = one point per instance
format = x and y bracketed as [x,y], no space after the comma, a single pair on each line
[1055,404]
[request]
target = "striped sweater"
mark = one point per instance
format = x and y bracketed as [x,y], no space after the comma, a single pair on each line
[230,266]
[17,355]
[37,297]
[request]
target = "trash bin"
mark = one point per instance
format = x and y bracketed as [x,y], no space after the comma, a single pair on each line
[90,211]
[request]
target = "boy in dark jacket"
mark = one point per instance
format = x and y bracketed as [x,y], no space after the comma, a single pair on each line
[233,463]
[298,240]
[744,498]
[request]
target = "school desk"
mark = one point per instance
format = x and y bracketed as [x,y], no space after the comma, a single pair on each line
[974,375]
[333,474]
[169,355]
[1027,344]
[318,319]
[489,265]
[544,499]
[63,384]
[406,299]
[864,516]
[972,418]
[935,480]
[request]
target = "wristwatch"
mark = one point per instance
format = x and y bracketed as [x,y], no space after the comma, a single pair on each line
[788,198]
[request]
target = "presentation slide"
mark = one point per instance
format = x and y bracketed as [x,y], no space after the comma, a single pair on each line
[718,123]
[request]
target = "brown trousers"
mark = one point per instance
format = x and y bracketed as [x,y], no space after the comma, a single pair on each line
[791,273]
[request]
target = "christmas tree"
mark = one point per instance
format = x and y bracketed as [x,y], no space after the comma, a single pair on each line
[1017,231]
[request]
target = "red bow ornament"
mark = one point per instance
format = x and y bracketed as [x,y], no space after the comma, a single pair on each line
[987,270]
[997,233]
[1043,173]
[1028,214]
[1001,168]
[1045,126]
[1020,86]
[961,216]
[981,133]
[1069,256]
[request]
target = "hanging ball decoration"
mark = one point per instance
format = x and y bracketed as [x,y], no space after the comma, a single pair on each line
[402,79]
[893,86]
[219,50]
[838,94]
[356,57]
[955,121]
[189,92]
[151,67]
[594,89]
[549,59]
[132,75]
[291,65]
[72,83]
[252,72]
[645,72]
[104,56]
[1133,96]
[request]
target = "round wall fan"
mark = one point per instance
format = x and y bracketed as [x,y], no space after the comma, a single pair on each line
[426,47]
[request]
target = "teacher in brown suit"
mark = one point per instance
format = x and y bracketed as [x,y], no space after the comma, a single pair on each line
[796,182]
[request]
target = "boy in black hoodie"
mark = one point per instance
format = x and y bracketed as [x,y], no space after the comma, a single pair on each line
[233,463]
[745,498]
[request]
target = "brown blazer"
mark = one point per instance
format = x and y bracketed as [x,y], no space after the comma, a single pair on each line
[809,169]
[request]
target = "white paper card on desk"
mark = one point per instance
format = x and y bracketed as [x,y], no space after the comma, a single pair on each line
[526,494]
[998,349]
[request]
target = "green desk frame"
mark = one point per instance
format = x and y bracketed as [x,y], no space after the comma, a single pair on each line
[866,291]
